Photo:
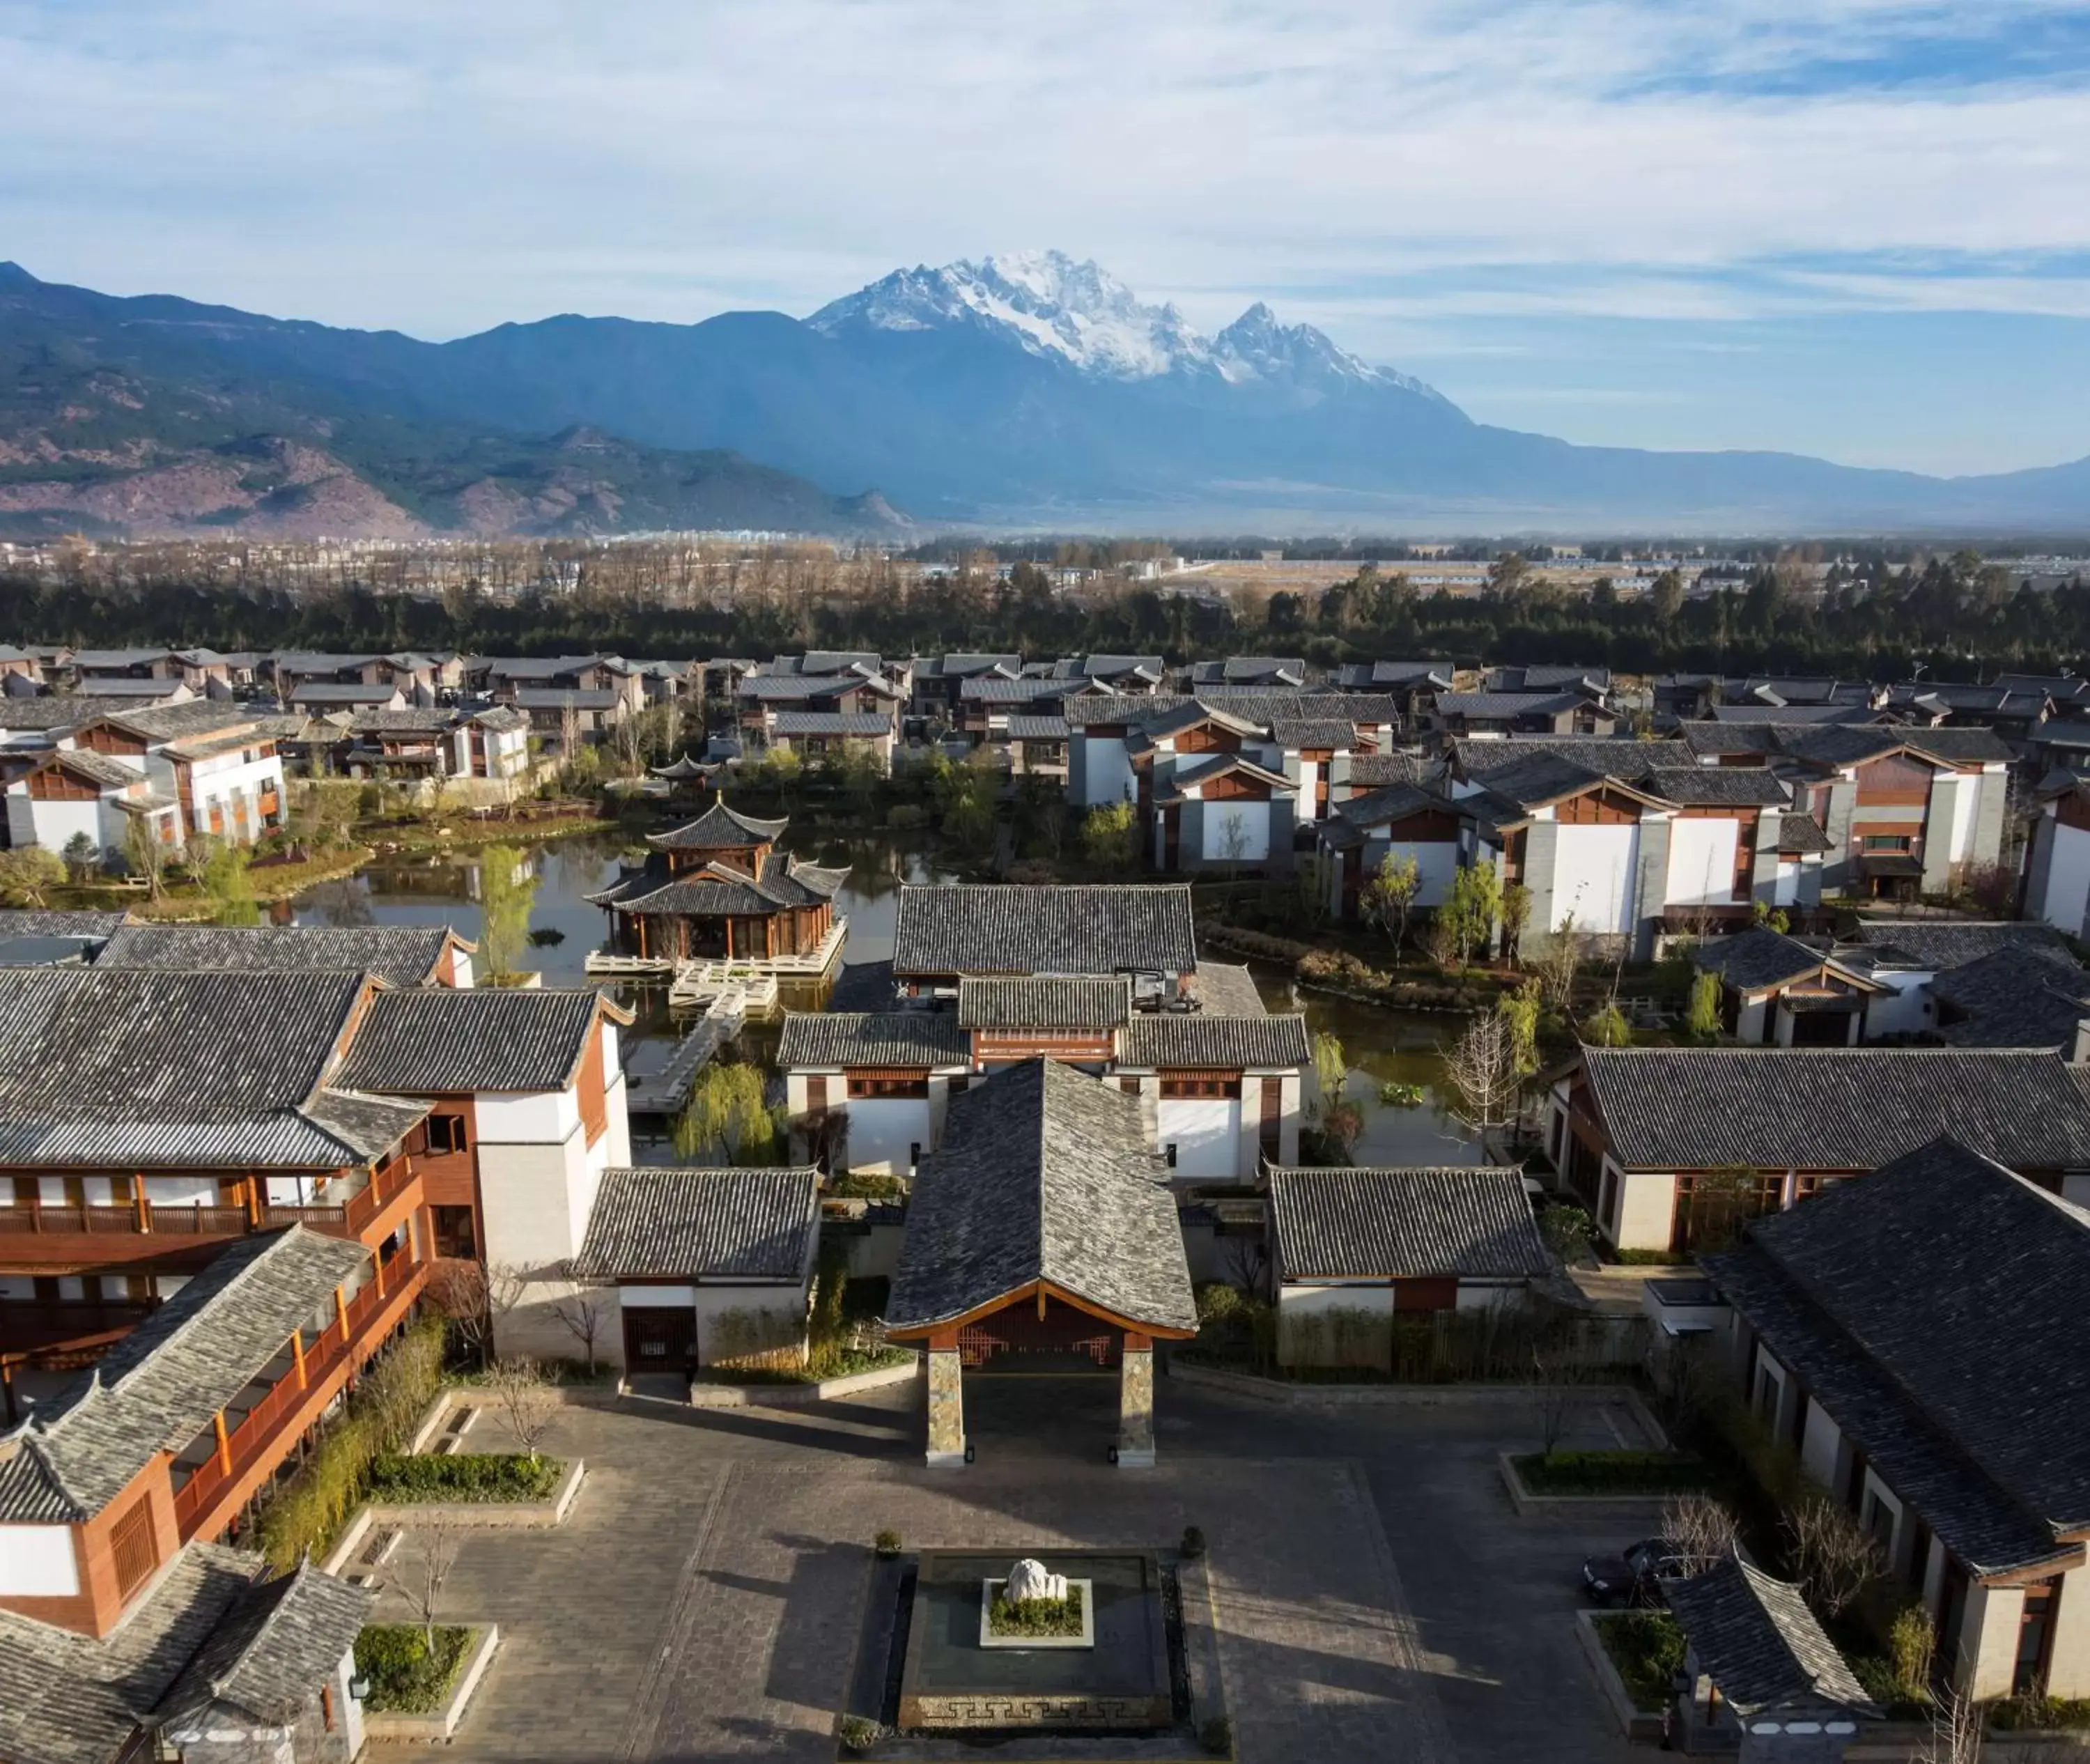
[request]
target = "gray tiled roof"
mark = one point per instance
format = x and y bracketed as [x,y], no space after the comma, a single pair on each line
[994,928]
[720,827]
[1509,703]
[1226,989]
[158,1387]
[404,955]
[1834,1109]
[831,723]
[1398,1224]
[109,774]
[562,698]
[338,692]
[1067,1002]
[752,1224]
[1027,727]
[911,1039]
[863,985]
[271,1651]
[439,1039]
[1255,707]
[722,887]
[1197,1041]
[1759,957]
[1393,803]
[1714,786]
[1403,765]
[1296,733]
[1614,756]
[1248,669]
[1931,1309]
[411,720]
[31,922]
[1801,833]
[1756,1639]
[1044,1174]
[68,1698]
[1938,945]
[141,1069]
[994,689]
[2022,995]
[60,711]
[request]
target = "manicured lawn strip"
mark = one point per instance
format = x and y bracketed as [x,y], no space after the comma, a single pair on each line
[1036,1617]
[1610,1472]
[406,1678]
[1647,1648]
[462,1476]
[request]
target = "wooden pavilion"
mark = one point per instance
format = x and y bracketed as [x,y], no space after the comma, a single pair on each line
[718,887]
[1042,1229]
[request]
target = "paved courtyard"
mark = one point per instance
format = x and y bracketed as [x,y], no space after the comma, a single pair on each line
[1376,1596]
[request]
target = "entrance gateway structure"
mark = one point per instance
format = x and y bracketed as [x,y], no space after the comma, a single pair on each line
[1042,1228]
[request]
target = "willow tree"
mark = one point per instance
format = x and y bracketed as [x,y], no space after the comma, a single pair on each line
[507,890]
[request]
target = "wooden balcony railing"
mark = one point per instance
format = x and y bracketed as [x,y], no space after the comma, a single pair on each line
[259,1434]
[346,1218]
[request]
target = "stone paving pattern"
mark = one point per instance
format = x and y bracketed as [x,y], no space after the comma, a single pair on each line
[1376,1597]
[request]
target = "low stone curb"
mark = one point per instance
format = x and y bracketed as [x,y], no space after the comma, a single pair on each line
[1595,1506]
[441,1724]
[709,1395]
[1273,1390]
[1634,1722]
[475,1514]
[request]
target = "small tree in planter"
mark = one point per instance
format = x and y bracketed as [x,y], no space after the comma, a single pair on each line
[527,1403]
[422,1588]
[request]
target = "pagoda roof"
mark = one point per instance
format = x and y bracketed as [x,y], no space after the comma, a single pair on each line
[719,828]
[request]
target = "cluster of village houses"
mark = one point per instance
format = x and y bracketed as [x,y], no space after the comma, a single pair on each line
[238,1161]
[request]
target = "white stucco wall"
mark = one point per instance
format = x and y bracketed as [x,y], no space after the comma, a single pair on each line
[1593,872]
[38,1562]
[1701,861]
[1784,886]
[1822,1445]
[1107,775]
[1436,863]
[1646,1207]
[1253,821]
[1205,1130]
[2069,1674]
[2067,878]
[1988,1640]
[882,1128]
[1905,1010]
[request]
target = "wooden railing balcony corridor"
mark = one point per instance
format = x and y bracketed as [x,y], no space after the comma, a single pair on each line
[297,1397]
[346,1218]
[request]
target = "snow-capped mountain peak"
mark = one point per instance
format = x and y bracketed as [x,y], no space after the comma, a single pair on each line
[1079,312]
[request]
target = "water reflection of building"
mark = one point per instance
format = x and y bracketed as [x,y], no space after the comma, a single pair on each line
[717,887]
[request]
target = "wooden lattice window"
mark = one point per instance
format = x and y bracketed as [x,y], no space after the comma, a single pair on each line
[130,1543]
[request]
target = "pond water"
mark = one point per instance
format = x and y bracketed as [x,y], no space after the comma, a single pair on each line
[1380,1046]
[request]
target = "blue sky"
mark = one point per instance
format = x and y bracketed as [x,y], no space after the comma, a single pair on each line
[1859,228]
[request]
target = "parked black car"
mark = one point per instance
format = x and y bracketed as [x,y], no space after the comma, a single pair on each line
[1634,1576]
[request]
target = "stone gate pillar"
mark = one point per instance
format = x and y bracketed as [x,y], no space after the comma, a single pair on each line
[1135,1404]
[946,1401]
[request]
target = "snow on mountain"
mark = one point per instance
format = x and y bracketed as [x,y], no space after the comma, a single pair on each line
[1080,312]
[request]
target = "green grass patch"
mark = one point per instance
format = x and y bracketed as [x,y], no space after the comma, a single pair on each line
[1036,1617]
[407,1676]
[463,1476]
[1610,1472]
[1647,1648]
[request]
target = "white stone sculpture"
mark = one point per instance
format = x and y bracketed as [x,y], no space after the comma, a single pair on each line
[1030,1579]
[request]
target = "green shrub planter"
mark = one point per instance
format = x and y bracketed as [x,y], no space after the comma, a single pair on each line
[395,1480]
[1608,1474]
[406,1677]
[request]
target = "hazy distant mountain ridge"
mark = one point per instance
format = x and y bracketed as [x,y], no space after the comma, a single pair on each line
[1028,389]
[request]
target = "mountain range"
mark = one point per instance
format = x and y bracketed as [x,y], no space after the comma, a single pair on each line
[1026,389]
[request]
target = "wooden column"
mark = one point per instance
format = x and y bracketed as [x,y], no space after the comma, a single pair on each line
[297,1356]
[341,1313]
[223,1441]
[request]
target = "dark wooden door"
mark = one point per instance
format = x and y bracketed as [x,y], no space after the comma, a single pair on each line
[659,1340]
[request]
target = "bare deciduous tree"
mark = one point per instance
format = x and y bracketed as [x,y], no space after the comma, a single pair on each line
[583,1312]
[1955,1732]
[1482,1067]
[1701,1531]
[423,1587]
[458,1289]
[1556,966]
[1554,1376]
[528,1402]
[1834,1555]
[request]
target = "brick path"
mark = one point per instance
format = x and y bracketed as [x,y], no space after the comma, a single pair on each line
[705,1599]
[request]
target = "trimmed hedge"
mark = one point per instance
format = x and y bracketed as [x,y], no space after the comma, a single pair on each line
[464,1476]
[406,1678]
[1036,1617]
[1610,1472]
[1647,1648]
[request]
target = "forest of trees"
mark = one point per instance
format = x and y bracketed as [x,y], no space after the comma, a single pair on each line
[1957,617]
